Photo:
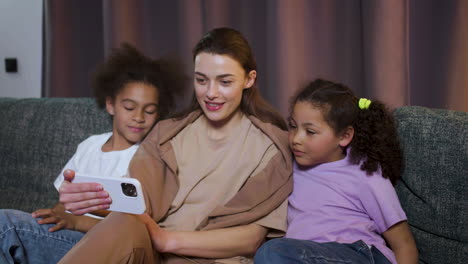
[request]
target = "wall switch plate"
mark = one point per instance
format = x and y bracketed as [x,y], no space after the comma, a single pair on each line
[11,65]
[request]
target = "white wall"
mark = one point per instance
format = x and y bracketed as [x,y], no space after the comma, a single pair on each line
[21,38]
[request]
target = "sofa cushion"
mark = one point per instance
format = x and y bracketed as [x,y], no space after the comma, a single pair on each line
[434,186]
[37,138]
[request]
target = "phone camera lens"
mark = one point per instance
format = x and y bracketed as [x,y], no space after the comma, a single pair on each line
[129,189]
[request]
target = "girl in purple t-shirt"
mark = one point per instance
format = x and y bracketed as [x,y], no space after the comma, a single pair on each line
[344,208]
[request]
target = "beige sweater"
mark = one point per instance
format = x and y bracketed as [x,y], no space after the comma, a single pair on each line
[155,165]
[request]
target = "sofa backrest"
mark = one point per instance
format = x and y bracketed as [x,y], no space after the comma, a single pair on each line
[434,186]
[37,137]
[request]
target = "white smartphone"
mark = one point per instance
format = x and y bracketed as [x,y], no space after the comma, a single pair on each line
[126,193]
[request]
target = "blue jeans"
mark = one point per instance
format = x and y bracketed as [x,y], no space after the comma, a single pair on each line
[23,240]
[287,250]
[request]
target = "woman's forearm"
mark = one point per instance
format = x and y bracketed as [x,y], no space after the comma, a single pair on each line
[218,243]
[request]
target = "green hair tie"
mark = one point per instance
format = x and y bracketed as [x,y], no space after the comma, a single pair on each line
[364,103]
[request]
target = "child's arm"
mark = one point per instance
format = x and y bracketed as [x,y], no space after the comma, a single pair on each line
[101,213]
[62,219]
[402,243]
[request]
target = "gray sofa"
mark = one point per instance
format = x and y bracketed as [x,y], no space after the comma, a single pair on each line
[38,136]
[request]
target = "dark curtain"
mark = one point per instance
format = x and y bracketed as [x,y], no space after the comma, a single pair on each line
[403,52]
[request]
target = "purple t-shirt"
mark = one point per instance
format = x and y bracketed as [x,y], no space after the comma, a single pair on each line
[338,202]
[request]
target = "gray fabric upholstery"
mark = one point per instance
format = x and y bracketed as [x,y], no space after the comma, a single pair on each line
[434,188]
[37,138]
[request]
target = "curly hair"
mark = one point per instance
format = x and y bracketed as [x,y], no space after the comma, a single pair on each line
[127,64]
[375,142]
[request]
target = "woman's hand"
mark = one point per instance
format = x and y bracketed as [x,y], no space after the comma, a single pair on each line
[159,237]
[82,198]
[57,216]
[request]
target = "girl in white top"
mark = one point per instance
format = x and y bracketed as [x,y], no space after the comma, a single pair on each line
[136,91]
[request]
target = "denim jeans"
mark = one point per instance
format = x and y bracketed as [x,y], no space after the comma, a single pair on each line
[286,250]
[23,240]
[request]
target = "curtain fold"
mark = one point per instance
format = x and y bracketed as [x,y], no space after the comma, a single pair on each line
[394,51]
[385,46]
[74,45]
[458,66]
